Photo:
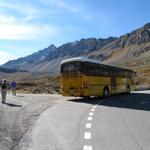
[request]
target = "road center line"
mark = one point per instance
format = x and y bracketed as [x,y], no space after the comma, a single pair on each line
[89,118]
[92,109]
[91,113]
[87,147]
[87,135]
[88,125]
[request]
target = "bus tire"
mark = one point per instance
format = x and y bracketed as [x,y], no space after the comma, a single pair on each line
[106,92]
[128,89]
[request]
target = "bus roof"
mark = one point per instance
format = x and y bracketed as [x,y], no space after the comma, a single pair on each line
[84,59]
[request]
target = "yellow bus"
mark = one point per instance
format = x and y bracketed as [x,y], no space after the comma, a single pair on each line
[85,77]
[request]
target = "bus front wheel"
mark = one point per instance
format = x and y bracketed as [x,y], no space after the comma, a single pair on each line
[106,92]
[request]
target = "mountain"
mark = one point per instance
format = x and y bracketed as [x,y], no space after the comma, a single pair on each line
[131,49]
[7,70]
[48,59]
[29,62]
[127,47]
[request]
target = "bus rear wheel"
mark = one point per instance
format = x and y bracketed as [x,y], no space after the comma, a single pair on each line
[106,92]
[128,89]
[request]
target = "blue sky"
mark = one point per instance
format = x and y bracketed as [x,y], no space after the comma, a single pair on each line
[28,26]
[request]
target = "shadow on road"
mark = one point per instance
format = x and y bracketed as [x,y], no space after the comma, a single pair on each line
[131,101]
[93,100]
[13,105]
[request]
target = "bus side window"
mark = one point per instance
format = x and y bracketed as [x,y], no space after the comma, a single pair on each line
[88,69]
[77,67]
[96,70]
[105,71]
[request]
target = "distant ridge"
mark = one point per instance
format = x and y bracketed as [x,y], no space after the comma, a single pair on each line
[48,59]
[6,70]
[130,48]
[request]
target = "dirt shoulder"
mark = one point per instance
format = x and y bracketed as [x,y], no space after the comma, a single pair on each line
[19,114]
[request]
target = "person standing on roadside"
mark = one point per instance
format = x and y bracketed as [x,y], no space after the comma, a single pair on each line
[4,90]
[13,86]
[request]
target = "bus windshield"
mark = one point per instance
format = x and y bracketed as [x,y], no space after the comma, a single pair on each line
[71,67]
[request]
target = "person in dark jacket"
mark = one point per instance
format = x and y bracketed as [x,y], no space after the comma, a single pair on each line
[4,90]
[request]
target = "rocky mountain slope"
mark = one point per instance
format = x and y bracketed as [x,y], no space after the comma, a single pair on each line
[48,59]
[128,50]
[7,70]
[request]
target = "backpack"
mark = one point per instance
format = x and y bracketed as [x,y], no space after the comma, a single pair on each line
[4,86]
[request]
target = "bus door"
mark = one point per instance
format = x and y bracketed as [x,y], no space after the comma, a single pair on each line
[114,82]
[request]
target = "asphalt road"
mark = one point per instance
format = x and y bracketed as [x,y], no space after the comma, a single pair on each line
[51,123]
[18,116]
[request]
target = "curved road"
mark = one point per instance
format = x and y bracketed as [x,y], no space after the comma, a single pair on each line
[62,123]
[117,123]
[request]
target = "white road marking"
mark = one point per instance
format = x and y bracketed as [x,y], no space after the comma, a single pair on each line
[88,125]
[87,147]
[87,135]
[89,118]
[91,113]
[92,109]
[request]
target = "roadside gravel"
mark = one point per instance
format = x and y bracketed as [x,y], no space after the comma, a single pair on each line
[18,116]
